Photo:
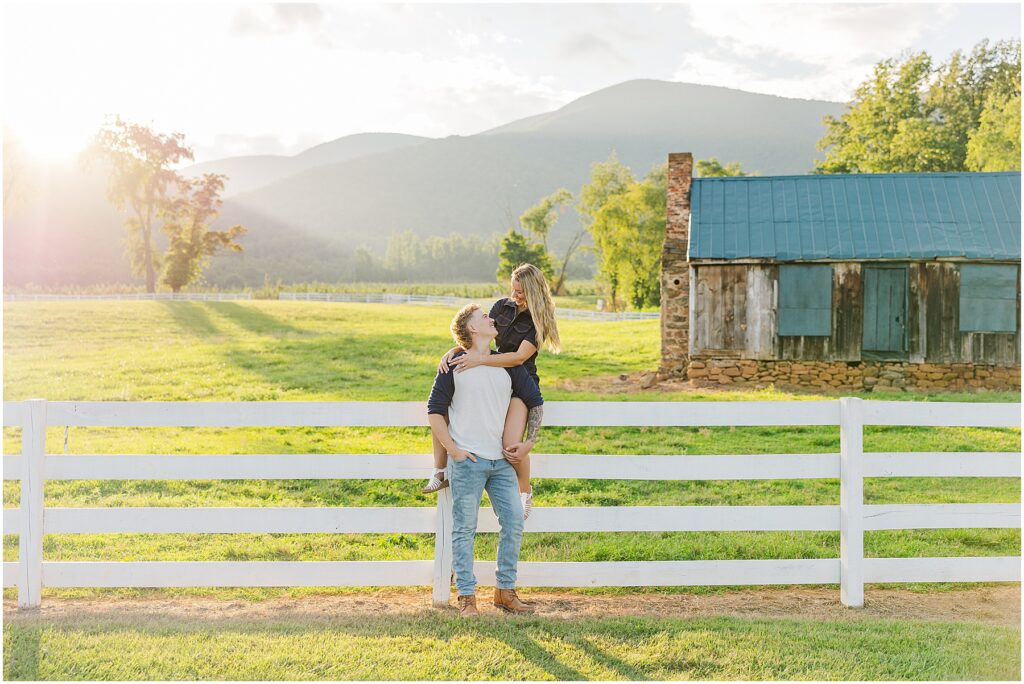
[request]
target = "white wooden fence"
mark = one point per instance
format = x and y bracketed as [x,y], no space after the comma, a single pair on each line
[850,517]
[359,297]
[396,298]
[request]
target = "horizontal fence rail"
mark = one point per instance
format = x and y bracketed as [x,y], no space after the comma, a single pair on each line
[851,517]
[412,520]
[395,298]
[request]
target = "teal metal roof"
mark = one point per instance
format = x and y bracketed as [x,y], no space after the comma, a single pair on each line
[857,216]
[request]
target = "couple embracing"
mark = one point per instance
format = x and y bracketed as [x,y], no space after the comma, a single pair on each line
[480,406]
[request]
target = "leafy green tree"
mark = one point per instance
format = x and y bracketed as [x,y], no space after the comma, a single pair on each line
[186,221]
[363,267]
[964,85]
[539,219]
[995,145]
[516,250]
[632,229]
[141,182]
[867,137]
[402,253]
[912,117]
[712,168]
[608,179]
[436,258]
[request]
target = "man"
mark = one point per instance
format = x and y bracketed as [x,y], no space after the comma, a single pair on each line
[475,403]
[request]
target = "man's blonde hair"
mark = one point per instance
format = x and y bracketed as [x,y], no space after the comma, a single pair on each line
[460,326]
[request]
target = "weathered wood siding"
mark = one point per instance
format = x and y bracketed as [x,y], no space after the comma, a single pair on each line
[719,323]
[940,338]
[735,315]
[847,322]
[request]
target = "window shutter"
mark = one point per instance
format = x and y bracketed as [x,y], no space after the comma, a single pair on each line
[805,300]
[988,298]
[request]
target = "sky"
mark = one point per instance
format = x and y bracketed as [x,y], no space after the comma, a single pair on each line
[250,78]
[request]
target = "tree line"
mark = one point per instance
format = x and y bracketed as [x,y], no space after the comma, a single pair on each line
[410,258]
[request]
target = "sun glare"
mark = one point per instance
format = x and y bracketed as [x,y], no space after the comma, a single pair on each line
[42,142]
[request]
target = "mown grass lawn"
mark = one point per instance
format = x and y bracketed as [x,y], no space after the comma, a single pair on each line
[277,350]
[441,647]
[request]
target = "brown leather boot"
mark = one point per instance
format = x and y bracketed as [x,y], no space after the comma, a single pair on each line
[467,606]
[508,601]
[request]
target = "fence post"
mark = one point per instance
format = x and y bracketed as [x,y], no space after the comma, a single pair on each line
[851,502]
[443,549]
[30,536]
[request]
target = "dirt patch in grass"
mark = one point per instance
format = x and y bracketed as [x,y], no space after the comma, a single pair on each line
[1000,604]
[644,382]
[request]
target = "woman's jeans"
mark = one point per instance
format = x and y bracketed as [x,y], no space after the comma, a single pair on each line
[468,482]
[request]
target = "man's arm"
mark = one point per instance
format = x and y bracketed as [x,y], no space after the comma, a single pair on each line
[439,427]
[441,394]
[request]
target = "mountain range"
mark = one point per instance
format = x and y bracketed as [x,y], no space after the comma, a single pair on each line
[307,213]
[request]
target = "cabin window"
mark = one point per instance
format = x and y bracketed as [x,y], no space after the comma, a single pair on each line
[988,298]
[805,300]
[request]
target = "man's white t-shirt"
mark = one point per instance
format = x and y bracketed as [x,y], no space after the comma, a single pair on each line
[476,402]
[478,409]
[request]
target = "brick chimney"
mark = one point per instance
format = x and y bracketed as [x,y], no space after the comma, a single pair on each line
[675,269]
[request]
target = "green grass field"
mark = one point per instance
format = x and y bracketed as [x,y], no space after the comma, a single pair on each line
[440,647]
[276,350]
[271,350]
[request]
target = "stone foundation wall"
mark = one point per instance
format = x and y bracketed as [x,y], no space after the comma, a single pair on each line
[863,375]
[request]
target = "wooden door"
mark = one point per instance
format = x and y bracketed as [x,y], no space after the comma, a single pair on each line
[885,309]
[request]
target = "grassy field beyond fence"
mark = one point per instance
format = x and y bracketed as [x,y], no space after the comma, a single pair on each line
[260,351]
[291,351]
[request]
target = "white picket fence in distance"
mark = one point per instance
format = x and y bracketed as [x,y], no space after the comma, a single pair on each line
[357,297]
[851,517]
[395,298]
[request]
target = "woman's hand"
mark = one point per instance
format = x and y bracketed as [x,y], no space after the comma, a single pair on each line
[446,360]
[465,362]
[514,453]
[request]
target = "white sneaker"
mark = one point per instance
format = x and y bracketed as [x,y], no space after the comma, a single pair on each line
[527,499]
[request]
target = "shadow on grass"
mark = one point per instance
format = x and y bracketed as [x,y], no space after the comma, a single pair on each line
[386,367]
[21,653]
[191,318]
[253,320]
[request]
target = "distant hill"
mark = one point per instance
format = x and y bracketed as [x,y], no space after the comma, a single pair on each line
[251,172]
[307,213]
[474,184]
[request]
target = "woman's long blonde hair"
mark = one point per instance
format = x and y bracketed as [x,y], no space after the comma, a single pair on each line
[538,301]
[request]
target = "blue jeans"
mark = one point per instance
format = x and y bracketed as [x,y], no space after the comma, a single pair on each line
[468,482]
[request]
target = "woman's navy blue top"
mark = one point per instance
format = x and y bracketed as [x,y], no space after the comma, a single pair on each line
[514,326]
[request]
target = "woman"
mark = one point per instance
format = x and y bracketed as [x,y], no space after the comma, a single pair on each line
[525,321]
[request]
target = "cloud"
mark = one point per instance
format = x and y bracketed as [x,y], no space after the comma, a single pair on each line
[818,34]
[464,39]
[824,51]
[278,19]
[296,15]
[590,46]
[832,85]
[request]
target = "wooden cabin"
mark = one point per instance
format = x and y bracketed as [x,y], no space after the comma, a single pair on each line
[848,281]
